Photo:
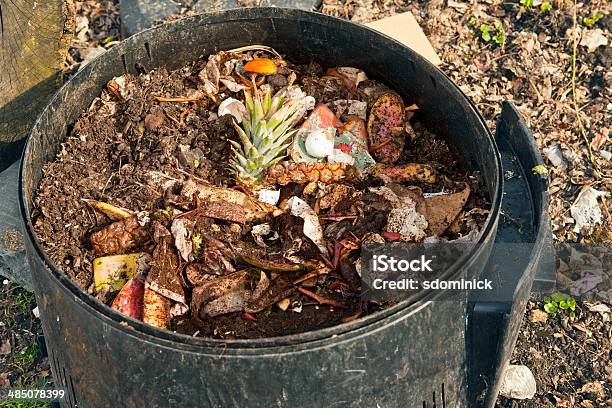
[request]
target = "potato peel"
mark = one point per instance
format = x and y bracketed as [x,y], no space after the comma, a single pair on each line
[119,236]
[156,309]
[406,172]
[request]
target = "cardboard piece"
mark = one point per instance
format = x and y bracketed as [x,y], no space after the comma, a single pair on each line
[405,29]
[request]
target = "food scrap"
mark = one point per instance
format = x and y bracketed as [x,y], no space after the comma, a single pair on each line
[240,193]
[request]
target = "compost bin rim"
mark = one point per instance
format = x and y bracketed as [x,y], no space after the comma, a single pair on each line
[307,339]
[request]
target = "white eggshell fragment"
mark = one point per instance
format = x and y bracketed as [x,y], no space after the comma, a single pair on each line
[338,156]
[319,144]
[268,196]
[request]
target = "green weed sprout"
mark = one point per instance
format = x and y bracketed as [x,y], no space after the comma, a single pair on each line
[559,303]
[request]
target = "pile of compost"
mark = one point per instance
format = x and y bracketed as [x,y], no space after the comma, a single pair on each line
[230,198]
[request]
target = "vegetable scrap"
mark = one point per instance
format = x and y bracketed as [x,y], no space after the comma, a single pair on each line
[243,188]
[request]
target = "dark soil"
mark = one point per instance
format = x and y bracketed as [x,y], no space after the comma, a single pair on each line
[129,146]
[571,360]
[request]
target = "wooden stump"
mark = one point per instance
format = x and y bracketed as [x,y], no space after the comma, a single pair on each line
[34,40]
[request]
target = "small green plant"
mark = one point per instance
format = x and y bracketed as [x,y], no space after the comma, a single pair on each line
[540,169]
[499,36]
[485,32]
[591,21]
[488,32]
[24,404]
[24,301]
[560,302]
[25,359]
[526,5]
[196,239]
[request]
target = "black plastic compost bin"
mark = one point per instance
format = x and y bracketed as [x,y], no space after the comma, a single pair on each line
[419,353]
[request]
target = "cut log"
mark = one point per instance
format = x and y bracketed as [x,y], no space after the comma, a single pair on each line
[34,40]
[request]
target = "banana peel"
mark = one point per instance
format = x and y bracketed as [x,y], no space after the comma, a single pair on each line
[113,212]
[112,272]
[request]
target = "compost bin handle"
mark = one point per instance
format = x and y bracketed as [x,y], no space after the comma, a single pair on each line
[13,263]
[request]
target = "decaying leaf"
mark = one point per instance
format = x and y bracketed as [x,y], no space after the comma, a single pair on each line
[113,212]
[232,85]
[406,172]
[119,236]
[234,107]
[585,209]
[130,299]
[156,309]
[182,238]
[164,276]
[112,272]
[273,266]
[227,204]
[178,309]
[386,128]
[217,288]
[226,211]
[277,290]
[217,261]
[229,303]
[312,227]
[211,74]
[592,39]
[262,285]
[441,209]
[350,77]
[351,107]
